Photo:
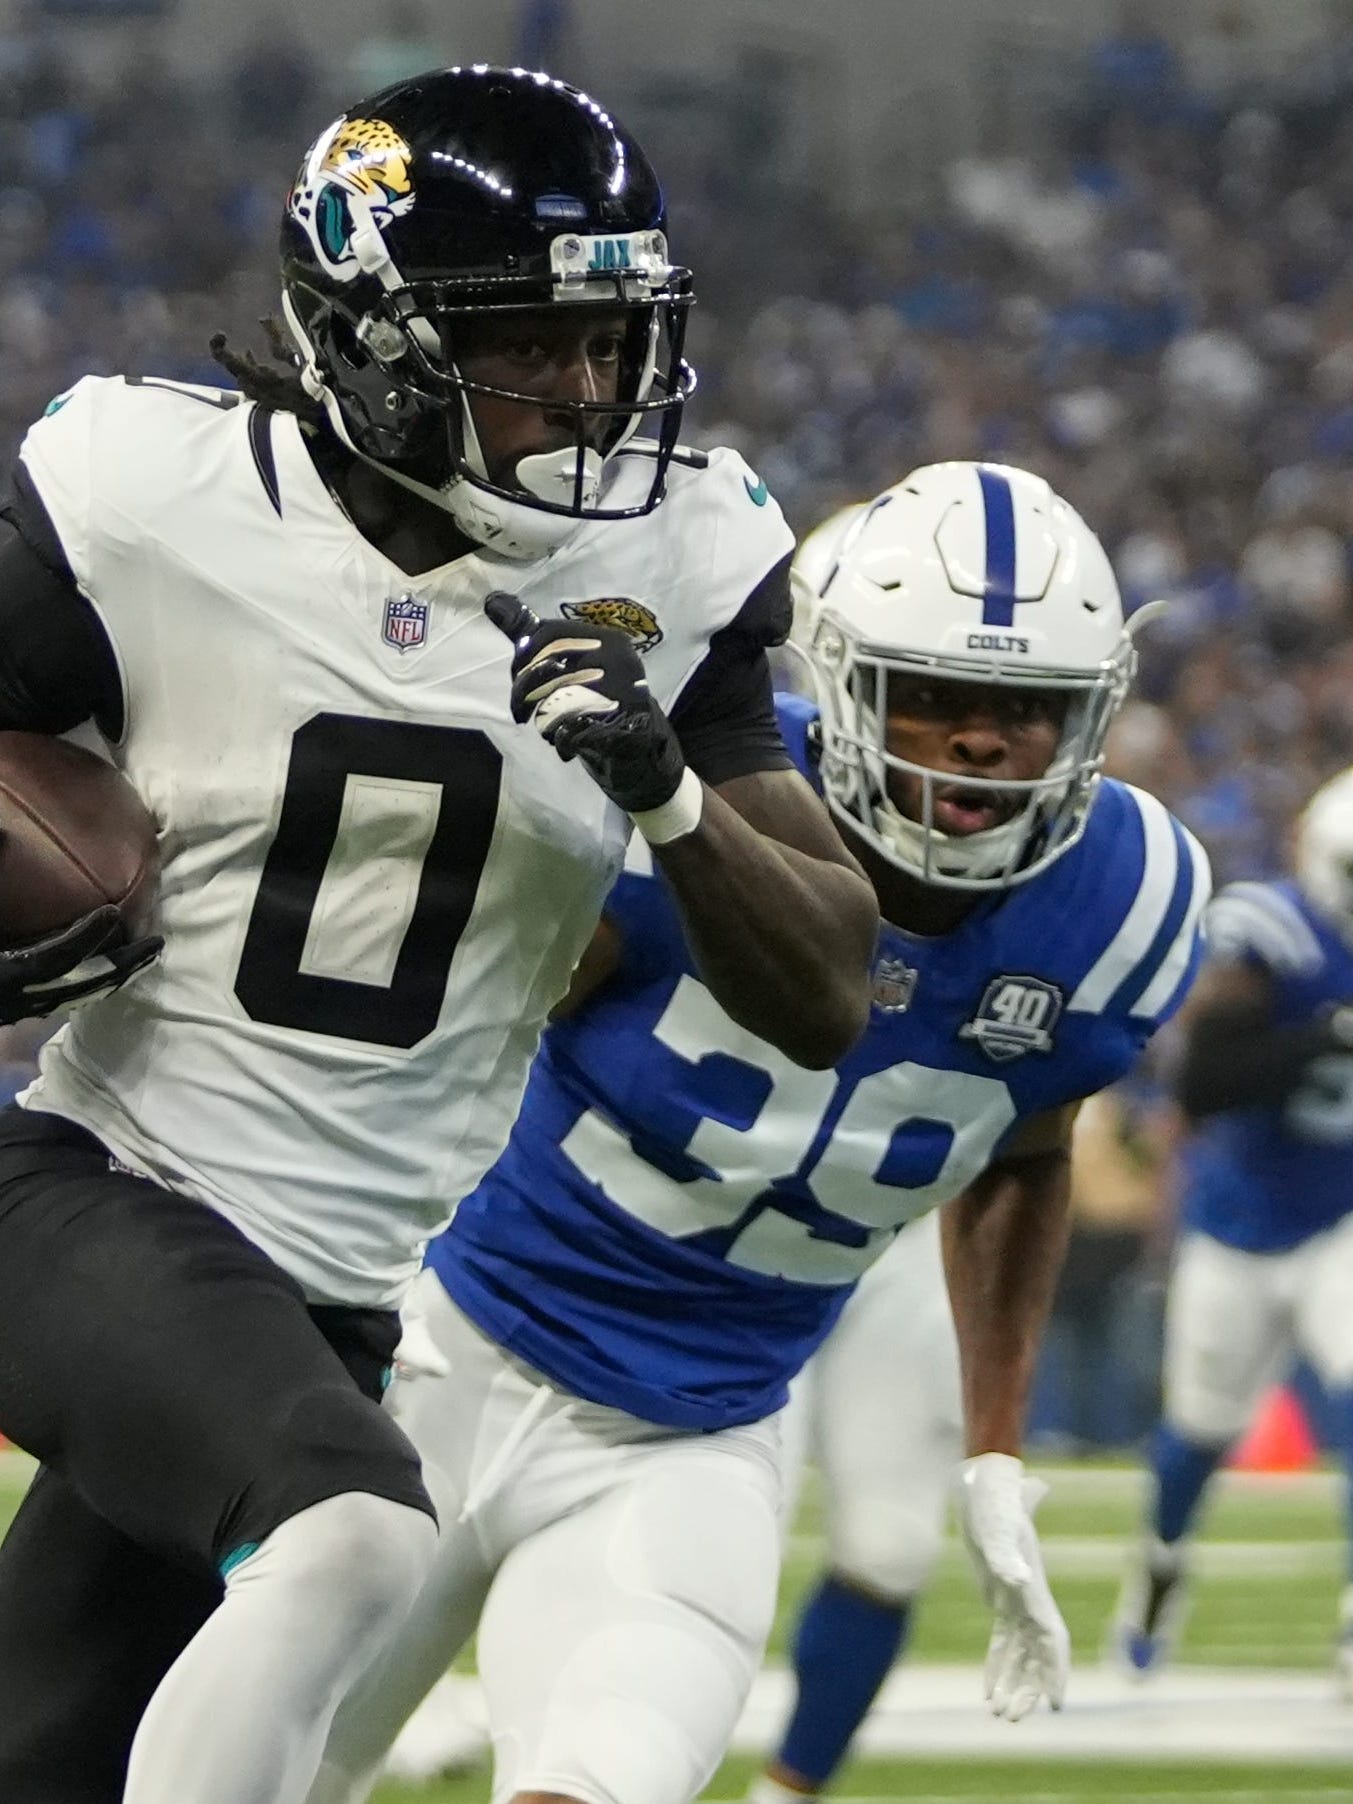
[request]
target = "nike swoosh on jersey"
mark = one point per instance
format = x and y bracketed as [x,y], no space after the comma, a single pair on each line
[757,491]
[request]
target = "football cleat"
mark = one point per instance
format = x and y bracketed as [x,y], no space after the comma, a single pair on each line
[1150,1611]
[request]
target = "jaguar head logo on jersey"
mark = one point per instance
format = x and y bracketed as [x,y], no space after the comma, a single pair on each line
[631,617]
[1016,1015]
[406,622]
[971,582]
[354,181]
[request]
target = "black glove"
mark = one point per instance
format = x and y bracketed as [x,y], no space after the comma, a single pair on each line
[31,978]
[583,688]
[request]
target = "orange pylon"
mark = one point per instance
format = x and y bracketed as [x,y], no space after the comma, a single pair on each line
[1279,1438]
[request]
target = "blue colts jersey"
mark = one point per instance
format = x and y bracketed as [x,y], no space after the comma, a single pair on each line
[1265,1179]
[681,1212]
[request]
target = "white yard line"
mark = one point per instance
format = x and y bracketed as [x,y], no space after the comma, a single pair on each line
[1225,1559]
[1188,1713]
[1130,1482]
[1318,1795]
[1200,1713]
[1109,1555]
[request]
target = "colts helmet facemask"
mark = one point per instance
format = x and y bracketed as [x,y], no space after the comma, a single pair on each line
[461,193]
[962,573]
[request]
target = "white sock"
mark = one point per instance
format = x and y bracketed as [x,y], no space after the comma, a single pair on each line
[765,1790]
[241,1716]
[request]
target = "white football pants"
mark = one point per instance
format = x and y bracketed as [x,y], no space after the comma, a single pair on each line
[623,1578]
[879,1410]
[1235,1320]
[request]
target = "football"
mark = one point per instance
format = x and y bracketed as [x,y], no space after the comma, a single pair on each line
[73,834]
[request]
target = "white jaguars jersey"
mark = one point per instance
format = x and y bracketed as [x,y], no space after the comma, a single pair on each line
[375,883]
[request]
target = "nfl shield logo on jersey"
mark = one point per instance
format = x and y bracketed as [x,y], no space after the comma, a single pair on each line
[894,985]
[406,622]
[1016,1015]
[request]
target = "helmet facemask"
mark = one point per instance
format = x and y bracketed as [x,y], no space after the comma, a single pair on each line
[396,395]
[1050,810]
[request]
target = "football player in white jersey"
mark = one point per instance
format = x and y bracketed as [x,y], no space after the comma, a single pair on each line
[596,1360]
[387,833]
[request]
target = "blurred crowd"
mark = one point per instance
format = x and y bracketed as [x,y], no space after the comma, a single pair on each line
[1154,309]
[1151,304]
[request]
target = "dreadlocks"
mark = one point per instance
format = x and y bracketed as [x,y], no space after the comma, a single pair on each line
[270,387]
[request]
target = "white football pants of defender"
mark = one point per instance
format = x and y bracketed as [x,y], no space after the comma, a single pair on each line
[1234,1320]
[879,1411]
[622,1577]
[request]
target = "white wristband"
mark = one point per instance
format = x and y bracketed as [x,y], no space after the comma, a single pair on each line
[677,817]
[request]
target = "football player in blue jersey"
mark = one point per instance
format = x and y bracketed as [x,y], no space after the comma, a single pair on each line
[1264,1268]
[596,1360]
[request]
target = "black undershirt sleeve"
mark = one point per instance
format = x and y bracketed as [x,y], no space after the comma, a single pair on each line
[725,715]
[57,667]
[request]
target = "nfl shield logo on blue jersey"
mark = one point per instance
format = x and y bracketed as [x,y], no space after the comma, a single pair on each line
[406,622]
[1016,1015]
[894,985]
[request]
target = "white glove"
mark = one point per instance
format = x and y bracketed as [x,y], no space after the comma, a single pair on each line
[1030,1652]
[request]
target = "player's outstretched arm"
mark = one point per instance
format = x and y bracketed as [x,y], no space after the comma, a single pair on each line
[779,919]
[1004,1241]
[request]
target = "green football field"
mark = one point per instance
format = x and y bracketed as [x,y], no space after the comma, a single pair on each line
[1249,1714]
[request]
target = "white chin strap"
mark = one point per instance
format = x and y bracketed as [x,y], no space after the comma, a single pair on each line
[506,528]
[929,852]
[509,529]
[553,476]
[514,529]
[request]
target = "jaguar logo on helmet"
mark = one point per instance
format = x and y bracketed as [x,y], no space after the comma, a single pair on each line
[630,617]
[355,177]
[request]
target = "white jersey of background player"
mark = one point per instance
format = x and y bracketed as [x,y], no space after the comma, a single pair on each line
[596,1362]
[387,834]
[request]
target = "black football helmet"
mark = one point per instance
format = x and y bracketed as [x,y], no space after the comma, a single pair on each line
[463,192]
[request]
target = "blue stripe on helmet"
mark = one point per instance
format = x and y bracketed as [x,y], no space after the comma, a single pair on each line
[998,593]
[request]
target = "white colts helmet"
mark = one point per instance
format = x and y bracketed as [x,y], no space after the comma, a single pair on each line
[1324,850]
[969,573]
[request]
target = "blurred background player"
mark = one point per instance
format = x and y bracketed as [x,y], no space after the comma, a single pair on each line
[595,1362]
[1099,1380]
[1264,1271]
